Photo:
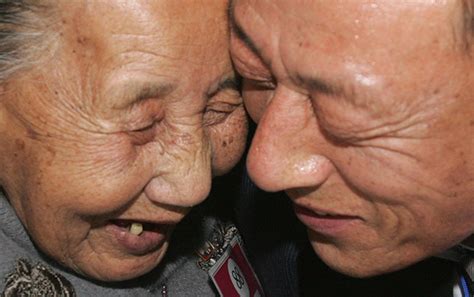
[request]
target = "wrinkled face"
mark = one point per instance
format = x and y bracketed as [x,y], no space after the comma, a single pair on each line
[106,146]
[365,118]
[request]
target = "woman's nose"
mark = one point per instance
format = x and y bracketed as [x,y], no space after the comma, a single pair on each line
[184,180]
[286,148]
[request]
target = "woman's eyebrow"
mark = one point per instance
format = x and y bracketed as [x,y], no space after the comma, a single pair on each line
[227,83]
[148,91]
[135,92]
[317,84]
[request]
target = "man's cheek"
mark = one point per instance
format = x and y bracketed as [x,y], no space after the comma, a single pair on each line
[255,102]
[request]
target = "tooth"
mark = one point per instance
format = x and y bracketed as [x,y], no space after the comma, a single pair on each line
[136,229]
[321,213]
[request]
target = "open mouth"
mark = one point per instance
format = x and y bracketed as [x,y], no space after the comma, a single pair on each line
[138,237]
[136,228]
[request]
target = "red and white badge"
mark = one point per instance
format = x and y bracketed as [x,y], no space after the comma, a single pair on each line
[233,275]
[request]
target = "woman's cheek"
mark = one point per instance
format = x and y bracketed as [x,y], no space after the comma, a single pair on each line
[228,141]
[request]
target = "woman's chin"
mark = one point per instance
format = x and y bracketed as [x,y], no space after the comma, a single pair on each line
[115,269]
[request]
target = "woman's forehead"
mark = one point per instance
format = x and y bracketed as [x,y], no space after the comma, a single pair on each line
[162,20]
[110,52]
[151,37]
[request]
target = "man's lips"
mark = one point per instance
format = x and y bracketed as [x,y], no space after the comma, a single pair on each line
[148,238]
[323,221]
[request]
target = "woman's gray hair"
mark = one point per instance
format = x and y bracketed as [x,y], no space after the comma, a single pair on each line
[22,35]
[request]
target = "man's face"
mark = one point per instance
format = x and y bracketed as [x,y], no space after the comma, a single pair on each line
[366,120]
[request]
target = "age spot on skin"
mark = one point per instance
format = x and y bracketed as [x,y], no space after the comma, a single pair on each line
[51,150]
[228,141]
[349,162]
[304,44]
[82,40]
[31,134]
[20,144]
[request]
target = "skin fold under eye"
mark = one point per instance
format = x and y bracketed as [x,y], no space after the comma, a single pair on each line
[140,121]
[143,135]
[260,85]
[221,105]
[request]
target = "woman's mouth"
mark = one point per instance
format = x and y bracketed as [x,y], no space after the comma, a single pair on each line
[138,237]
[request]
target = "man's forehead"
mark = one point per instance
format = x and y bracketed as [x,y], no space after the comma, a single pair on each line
[384,41]
[347,10]
[237,29]
[375,19]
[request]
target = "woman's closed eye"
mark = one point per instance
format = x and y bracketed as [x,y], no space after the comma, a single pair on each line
[144,134]
[141,120]
[221,106]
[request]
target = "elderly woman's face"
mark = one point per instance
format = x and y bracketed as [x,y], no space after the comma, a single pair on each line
[120,131]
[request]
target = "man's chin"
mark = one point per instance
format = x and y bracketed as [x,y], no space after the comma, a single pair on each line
[356,264]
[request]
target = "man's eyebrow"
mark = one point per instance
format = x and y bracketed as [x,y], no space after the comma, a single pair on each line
[239,31]
[320,85]
[231,83]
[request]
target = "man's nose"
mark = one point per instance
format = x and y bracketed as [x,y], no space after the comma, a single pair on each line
[286,150]
[184,180]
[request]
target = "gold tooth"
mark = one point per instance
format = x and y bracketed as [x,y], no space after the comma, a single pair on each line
[136,229]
